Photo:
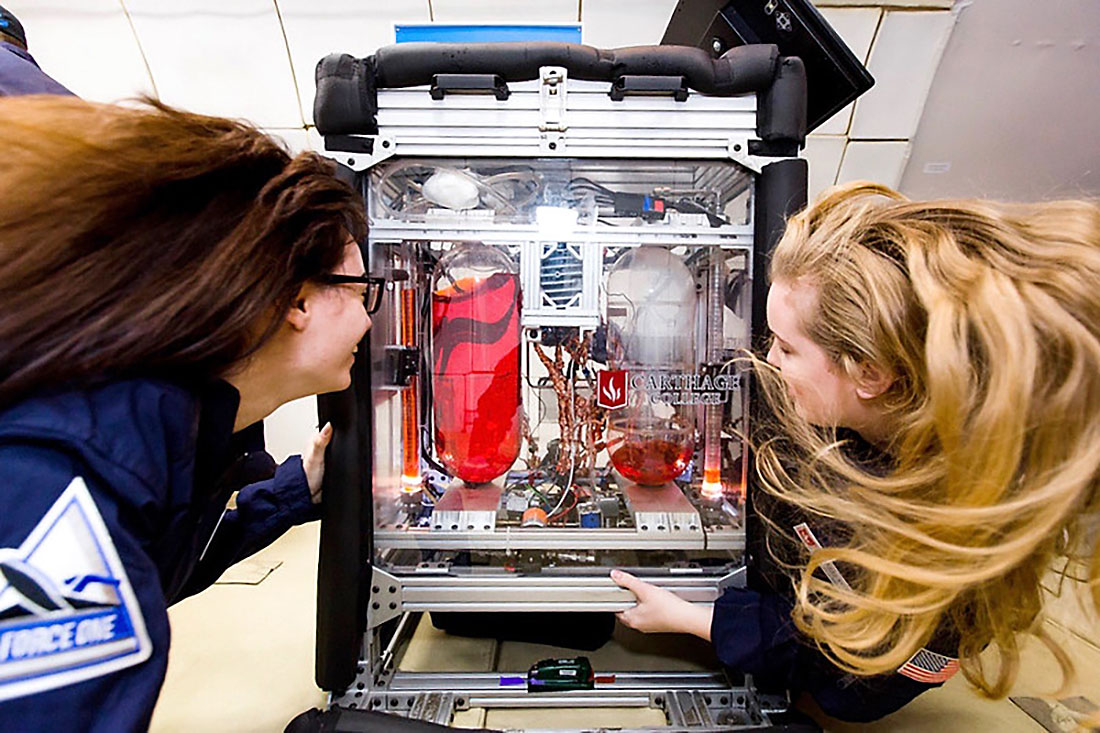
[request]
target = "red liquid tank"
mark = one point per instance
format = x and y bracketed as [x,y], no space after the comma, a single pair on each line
[651,304]
[475,372]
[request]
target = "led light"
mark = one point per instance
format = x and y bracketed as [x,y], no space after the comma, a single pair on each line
[712,485]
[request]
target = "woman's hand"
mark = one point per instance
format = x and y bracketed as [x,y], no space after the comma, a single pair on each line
[661,611]
[313,461]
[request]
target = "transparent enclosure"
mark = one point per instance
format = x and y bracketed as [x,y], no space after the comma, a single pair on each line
[554,375]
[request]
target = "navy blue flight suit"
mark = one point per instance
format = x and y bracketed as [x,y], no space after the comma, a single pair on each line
[20,74]
[753,632]
[113,507]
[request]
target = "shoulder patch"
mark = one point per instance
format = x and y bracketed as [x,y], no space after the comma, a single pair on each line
[67,610]
[929,667]
[832,572]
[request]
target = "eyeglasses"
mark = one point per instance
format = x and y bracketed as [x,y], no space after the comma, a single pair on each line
[372,295]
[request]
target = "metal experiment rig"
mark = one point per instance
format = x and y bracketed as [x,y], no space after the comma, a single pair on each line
[575,243]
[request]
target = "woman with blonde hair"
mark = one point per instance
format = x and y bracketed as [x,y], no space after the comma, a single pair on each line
[167,280]
[935,448]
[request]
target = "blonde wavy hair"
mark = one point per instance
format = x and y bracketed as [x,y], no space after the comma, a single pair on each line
[987,316]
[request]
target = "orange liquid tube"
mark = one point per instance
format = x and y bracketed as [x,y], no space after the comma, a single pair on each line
[712,414]
[410,419]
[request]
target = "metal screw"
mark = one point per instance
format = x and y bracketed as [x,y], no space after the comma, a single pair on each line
[716,44]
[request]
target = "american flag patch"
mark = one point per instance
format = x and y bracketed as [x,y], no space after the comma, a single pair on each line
[929,667]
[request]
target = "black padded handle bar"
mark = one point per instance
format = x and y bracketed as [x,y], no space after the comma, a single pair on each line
[741,70]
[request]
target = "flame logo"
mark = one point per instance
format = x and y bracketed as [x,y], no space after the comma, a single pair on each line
[611,392]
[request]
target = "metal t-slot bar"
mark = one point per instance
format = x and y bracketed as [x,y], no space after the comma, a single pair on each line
[439,593]
[481,682]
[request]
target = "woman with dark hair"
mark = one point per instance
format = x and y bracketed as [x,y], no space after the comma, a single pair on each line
[167,280]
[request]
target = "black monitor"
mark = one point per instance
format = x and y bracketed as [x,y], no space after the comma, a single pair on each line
[834,75]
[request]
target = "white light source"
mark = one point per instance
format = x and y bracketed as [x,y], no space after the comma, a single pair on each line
[555,222]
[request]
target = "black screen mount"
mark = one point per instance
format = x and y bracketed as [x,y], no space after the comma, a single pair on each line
[834,75]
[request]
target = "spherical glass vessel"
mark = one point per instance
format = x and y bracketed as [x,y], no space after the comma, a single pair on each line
[651,301]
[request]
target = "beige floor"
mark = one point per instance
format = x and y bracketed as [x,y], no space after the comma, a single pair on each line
[242,660]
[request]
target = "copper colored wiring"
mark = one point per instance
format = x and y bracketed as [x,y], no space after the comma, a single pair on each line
[565,427]
[580,422]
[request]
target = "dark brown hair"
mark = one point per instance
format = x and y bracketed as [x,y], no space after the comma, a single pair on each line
[151,241]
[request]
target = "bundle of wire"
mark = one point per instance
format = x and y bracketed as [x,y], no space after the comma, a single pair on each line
[620,203]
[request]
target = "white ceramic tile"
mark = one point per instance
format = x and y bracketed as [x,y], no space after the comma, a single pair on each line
[856,27]
[501,13]
[838,123]
[87,45]
[923,4]
[316,142]
[219,58]
[823,152]
[903,60]
[881,162]
[296,139]
[604,22]
[289,429]
[314,30]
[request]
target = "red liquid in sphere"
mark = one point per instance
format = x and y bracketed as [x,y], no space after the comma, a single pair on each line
[475,387]
[652,462]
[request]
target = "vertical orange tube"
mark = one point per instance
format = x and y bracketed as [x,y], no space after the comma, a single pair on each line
[712,414]
[410,418]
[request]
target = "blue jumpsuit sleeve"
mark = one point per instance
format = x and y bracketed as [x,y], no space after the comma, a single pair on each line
[265,510]
[83,622]
[753,633]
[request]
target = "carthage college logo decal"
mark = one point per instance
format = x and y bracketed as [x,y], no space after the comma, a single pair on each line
[611,389]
